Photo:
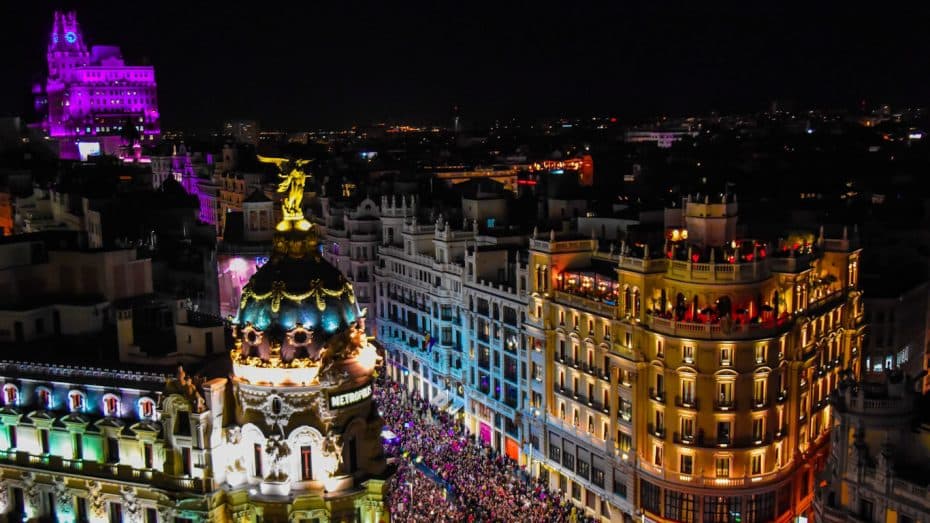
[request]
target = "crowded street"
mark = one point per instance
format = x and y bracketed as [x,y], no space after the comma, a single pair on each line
[444,475]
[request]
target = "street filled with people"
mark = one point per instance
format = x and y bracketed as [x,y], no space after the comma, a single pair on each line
[445,474]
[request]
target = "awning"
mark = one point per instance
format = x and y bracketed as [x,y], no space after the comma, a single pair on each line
[441,399]
[456,406]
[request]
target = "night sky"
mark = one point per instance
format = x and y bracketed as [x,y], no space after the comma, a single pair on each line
[310,64]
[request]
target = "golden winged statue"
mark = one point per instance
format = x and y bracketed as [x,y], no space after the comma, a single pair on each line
[293,178]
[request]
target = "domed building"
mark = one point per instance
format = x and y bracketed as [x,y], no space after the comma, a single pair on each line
[305,436]
[292,435]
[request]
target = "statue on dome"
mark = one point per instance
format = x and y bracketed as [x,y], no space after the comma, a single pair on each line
[293,178]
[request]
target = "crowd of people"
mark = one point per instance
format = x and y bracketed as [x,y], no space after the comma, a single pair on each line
[444,474]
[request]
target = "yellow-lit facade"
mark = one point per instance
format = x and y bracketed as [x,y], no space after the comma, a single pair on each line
[695,379]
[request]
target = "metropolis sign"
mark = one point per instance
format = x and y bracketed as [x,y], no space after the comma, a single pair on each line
[338,401]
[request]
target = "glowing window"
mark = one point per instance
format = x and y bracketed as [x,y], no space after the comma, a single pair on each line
[146,408]
[76,400]
[10,394]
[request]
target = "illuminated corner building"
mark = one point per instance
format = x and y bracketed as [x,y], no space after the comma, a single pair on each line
[420,309]
[722,355]
[91,100]
[877,470]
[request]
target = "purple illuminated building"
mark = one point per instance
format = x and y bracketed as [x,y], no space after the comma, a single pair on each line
[92,102]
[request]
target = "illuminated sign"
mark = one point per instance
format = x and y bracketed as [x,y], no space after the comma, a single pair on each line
[86,149]
[347,399]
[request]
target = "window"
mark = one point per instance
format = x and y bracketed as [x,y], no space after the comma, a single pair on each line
[619,485]
[719,509]
[758,429]
[568,460]
[687,353]
[756,464]
[43,440]
[146,408]
[76,400]
[722,466]
[583,469]
[186,464]
[687,392]
[687,464]
[306,463]
[758,391]
[723,432]
[865,509]
[148,455]
[597,477]
[45,398]
[116,512]
[257,459]
[112,450]
[11,435]
[650,496]
[760,353]
[687,428]
[110,405]
[680,506]
[725,394]
[10,395]
[657,455]
[77,446]
[726,356]
[555,453]
[760,507]
[660,352]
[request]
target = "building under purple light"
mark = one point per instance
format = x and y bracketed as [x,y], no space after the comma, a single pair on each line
[92,102]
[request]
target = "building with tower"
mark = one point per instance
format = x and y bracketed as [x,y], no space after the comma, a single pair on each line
[92,102]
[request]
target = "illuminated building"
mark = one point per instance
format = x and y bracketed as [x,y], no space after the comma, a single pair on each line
[691,382]
[495,292]
[420,303]
[91,100]
[352,233]
[292,435]
[877,470]
[450,314]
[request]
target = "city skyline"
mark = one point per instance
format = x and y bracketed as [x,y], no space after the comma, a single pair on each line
[361,63]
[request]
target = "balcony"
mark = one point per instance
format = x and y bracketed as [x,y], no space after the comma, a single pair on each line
[725,405]
[687,403]
[710,330]
[684,439]
[658,432]
[657,395]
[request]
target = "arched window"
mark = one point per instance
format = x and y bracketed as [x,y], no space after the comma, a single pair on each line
[110,405]
[146,408]
[76,400]
[10,395]
[44,397]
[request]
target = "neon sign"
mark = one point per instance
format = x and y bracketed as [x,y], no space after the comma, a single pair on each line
[352,397]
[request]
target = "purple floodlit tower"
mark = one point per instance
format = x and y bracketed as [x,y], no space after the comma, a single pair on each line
[92,102]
